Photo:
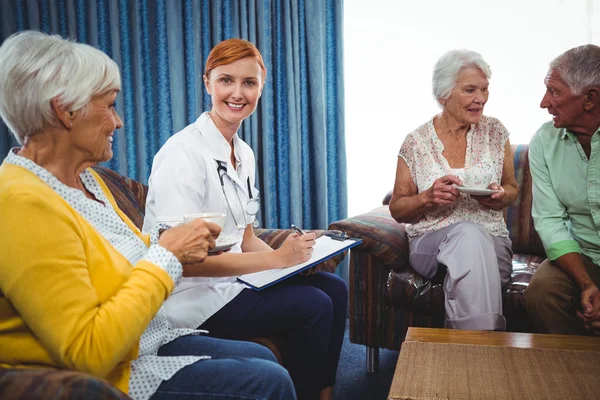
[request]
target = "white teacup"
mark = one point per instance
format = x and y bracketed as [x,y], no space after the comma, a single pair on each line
[217,218]
[170,222]
[478,181]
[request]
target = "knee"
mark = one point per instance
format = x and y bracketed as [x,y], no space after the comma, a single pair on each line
[318,303]
[538,293]
[277,383]
[255,350]
[471,233]
[336,287]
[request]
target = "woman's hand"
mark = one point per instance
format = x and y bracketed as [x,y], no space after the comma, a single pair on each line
[496,201]
[442,191]
[190,242]
[296,249]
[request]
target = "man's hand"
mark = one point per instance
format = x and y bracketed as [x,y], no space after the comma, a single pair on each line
[590,303]
[494,201]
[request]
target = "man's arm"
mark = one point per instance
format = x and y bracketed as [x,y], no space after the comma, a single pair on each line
[550,218]
[549,214]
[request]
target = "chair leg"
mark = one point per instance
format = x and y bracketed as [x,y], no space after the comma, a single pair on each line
[372,360]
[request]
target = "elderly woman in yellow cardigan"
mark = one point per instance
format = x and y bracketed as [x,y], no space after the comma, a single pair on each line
[80,286]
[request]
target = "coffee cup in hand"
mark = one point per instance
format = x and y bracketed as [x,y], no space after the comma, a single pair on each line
[216,218]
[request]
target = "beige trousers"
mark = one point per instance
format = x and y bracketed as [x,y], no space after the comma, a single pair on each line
[478,265]
[552,299]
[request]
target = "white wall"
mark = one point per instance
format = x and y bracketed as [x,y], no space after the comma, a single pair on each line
[391,46]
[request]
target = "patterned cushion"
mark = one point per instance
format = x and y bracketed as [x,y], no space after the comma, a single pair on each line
[52,384]
[518,217]
[382,236]
[130,195]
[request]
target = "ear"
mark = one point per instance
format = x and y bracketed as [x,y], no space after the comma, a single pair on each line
[63,115]
[591,99]
[206,84]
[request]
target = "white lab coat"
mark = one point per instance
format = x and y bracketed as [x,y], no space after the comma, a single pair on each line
[184,180]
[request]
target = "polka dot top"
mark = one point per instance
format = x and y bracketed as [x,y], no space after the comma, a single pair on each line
[422,151]
[148,370]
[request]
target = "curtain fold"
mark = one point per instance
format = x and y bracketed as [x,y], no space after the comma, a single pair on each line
[161,46]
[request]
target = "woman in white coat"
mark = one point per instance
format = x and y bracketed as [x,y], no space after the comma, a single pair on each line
[206,167]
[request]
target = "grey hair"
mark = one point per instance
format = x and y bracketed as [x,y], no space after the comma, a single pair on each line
[447,68]
[579,67]
[36,68]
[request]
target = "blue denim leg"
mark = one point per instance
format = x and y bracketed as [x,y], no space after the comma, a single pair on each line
[236,371]
[309,311]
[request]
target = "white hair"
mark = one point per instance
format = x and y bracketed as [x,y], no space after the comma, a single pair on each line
[36,68]
[447,68]
[579,67]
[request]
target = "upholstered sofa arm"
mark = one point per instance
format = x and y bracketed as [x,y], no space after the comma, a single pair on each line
[276,237]
[381,236]
[33,384]
[386,240]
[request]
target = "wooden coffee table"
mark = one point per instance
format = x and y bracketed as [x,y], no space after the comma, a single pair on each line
[458,364]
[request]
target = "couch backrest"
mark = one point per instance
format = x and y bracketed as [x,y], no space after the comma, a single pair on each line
[518,216]
[519,221]
[129,194]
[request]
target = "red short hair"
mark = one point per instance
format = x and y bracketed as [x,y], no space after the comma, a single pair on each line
[231,50]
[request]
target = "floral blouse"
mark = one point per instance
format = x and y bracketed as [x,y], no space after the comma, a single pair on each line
[422,151]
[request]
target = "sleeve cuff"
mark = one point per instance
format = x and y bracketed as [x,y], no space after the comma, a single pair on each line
[166,260]
[561,248]
[156,231]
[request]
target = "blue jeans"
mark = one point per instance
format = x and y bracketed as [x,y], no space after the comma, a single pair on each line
[309,311]
[237,370]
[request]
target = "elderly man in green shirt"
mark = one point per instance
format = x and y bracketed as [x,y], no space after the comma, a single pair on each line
[564,157]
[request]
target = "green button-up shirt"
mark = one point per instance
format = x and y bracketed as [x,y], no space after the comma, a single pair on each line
[566,192]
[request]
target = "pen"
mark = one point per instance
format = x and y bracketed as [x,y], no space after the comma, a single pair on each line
[298,230]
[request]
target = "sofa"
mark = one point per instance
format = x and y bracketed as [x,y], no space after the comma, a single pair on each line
[387,296]
[30,384]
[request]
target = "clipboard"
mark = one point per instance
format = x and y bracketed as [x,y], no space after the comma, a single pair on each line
[325,248]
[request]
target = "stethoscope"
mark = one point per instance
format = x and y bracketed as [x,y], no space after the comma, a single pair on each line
[252,206]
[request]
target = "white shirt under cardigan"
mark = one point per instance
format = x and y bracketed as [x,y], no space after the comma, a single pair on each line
[185,180]
[148,370]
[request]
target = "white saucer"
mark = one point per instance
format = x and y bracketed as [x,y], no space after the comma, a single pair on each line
[477,192]
[224,243]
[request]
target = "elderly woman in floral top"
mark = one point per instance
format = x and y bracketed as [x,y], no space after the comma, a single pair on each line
[454,177]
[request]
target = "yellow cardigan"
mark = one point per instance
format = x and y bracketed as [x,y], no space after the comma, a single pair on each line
[68,298]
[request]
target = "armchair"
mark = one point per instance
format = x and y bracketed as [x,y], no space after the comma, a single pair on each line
[387,295]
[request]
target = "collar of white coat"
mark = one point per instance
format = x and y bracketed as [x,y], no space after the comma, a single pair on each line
[219,146]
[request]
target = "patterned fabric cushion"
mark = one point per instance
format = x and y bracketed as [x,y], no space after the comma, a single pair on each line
[129,194]
[52,384]
[382,236]
[518,217]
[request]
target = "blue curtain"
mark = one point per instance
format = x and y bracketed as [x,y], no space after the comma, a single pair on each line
[161,46]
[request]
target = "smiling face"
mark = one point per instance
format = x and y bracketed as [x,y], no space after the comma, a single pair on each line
[93,130]
[565,107]
[234,89]
[467,99]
